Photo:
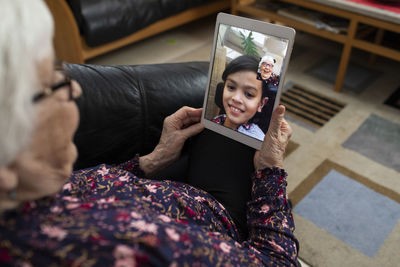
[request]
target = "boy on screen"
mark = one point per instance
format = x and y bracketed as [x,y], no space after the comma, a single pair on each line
[243,96]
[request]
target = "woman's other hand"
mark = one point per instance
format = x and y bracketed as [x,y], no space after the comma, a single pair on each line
[177,128]
[275,142]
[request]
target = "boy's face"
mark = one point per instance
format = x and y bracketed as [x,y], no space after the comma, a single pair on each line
[242,98]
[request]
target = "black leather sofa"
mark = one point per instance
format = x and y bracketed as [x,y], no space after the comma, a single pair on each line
[122,108]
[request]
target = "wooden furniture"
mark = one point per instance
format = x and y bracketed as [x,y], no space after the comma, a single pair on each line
[70,46]
[353,38]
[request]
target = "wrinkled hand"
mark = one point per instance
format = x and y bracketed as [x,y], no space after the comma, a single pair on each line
[275,142]
[177,128]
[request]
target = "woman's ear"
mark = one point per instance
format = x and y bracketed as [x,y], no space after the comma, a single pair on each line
[8,179]
[8,183]
[262,103]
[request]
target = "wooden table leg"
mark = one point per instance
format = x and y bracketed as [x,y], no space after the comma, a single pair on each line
[344,60]
[378,40]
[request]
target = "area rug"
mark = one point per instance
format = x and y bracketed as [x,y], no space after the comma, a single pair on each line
[307,108]
[357,77]
[394,99]
[352,220]
[378,139]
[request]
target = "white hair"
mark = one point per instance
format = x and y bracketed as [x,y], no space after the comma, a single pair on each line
[26,32]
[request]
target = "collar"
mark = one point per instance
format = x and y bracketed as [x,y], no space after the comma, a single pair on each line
[220,119]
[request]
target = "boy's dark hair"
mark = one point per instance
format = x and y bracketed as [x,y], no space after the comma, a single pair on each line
[241,63]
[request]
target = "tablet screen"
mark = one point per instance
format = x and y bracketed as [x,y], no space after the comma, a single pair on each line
[247,69]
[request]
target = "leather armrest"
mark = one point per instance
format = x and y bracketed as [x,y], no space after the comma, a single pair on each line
[122,108]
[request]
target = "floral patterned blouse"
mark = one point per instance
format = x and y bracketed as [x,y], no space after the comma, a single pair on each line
[108,216]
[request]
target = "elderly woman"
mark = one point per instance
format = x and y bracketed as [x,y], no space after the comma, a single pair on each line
[266,71]
[109,215]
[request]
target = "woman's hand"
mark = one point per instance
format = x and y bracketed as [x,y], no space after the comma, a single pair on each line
[275,142]
[177,128]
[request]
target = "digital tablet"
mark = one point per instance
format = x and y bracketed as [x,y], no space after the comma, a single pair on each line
[247,69]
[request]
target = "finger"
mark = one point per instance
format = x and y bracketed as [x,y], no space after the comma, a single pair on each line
[286,129]
[192,116]
[186,116]
[276,119]
[8,179]
[193,130]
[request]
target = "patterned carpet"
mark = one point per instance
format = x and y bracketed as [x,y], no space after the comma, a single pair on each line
[339,208]
[345,173]
[361,215]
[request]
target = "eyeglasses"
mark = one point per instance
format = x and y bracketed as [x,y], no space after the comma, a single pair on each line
[66,83]
[267,64]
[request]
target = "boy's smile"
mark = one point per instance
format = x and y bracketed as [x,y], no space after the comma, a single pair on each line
[241,98]
[235,110]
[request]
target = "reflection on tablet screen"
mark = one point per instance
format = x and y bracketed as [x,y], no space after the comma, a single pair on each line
[245,79]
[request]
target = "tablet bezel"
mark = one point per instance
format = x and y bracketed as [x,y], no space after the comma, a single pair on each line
[257,26]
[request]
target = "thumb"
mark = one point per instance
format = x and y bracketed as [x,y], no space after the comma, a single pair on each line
[277,118]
